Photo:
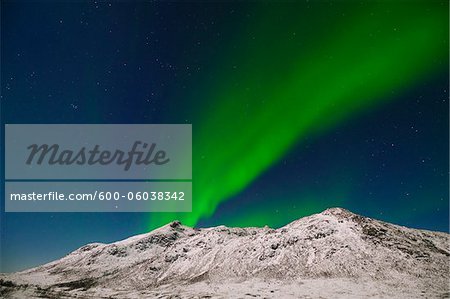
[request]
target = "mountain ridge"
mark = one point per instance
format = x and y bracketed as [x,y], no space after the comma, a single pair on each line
[335,245]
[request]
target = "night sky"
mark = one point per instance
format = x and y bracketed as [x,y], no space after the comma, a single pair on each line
[295,107]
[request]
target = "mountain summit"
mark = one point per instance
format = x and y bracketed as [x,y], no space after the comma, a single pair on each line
[335,254]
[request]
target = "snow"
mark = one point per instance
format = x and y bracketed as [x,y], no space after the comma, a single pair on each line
[332,254]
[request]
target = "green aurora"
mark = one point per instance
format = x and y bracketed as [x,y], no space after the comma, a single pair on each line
[299,72]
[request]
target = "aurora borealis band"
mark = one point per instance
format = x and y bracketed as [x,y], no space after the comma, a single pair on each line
[295,107]
[275,103]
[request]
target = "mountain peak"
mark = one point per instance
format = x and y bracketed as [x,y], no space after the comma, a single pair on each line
[352,251]
[175,223]
[338,211]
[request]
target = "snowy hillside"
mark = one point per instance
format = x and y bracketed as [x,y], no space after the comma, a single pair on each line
[332,254]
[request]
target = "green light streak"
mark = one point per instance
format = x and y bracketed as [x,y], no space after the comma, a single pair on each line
[263,108]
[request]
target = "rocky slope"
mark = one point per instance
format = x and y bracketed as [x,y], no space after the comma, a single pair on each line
[332,254]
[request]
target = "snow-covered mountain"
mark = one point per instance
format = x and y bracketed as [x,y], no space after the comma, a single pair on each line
[334,254]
